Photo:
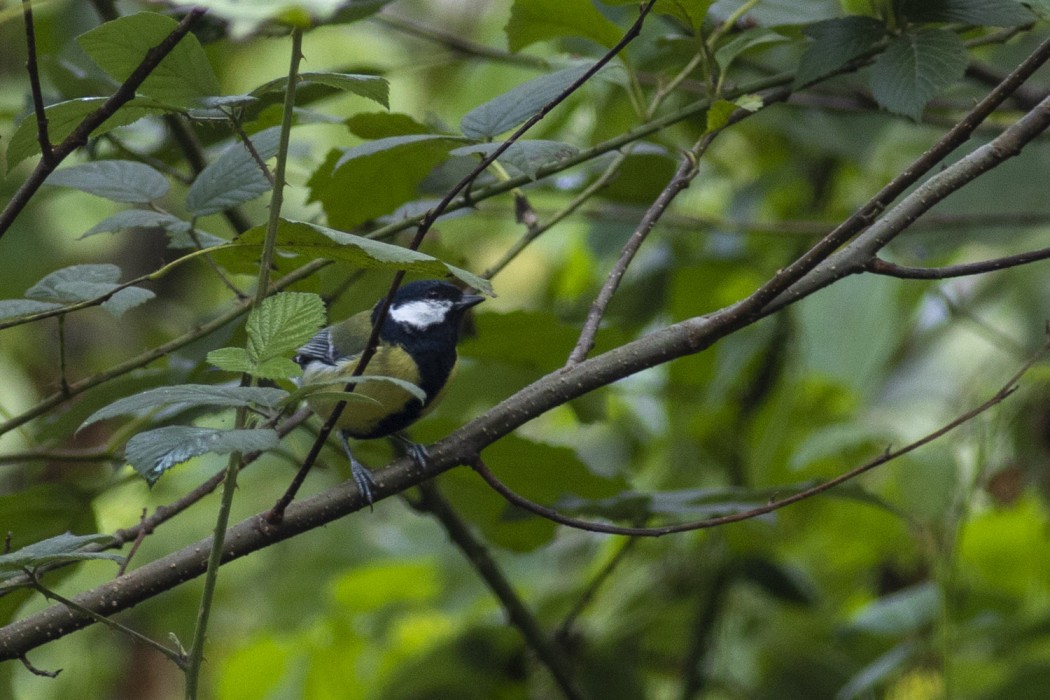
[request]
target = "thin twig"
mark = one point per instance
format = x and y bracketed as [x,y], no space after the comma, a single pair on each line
[143,533]
[550,514]
[687,170]
[34,581]
[519,615]
[38,671]
[879,266]
[564,632]
[34,84]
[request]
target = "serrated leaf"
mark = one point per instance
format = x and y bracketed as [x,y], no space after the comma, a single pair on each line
[282,323]
[386,144]
[372,87]
[277,368]
[188,396]
[540,20]
[318,241]
[61,548]
[231,359]
[126,299]
[381,125]
[64,117]
[154,452]
[740,44]
[835,43]
[76,283]
[915,67]
[13,308]
[117,180]
[138,218]
[118,47]
[525,156]
[515,106]
[234,177]
[993,13]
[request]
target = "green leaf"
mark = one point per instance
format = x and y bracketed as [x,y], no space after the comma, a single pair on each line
[118,47]
[540,20]
[317,241]
[915,67]
[83,282]
[524,156]
[277,368]
[372,87]
[138,218]
[994,13]
[64,117]
[282,323]
[61,548]
[515,106]
[1040,8]
[231,359]
[118,180]
[718,114]
[881,670]
[690,13]
[742,43]
[154,452]
[13,308]
[835,43]
[188,396]
[382,175]
[897,614]
[380,125]
[234,177]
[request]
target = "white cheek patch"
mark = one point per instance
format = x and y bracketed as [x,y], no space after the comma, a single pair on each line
[421,314]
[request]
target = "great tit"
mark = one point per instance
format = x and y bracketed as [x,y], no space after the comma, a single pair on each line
[417,344]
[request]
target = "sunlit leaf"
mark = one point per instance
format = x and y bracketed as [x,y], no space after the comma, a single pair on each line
[118,180]
[154,452]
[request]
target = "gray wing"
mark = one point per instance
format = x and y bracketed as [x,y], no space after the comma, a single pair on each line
[318,349]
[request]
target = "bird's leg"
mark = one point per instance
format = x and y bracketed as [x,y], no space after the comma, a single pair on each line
[362,477]
[417,452]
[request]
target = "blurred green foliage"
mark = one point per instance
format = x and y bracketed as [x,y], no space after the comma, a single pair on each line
[927,578]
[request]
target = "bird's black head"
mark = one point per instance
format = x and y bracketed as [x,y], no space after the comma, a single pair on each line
[426,307]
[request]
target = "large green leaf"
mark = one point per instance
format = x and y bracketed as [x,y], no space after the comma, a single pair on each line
[60,548]
[915,67]
[154,452]
[372,87]
[118,47]
[234,177]
[836,42]
[188,396]
[995,13]
[318,241]
[377,177]
[523,156]
[119,180]
[282,323]
[381,125]
[540,20]
[515,106]
[64,117]
[84,282]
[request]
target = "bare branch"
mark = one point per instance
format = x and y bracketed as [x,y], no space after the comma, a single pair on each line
[34,83]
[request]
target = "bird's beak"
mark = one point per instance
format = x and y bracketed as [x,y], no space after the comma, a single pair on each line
[468,301]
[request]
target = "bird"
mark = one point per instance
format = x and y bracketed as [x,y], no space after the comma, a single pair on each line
[417,344]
